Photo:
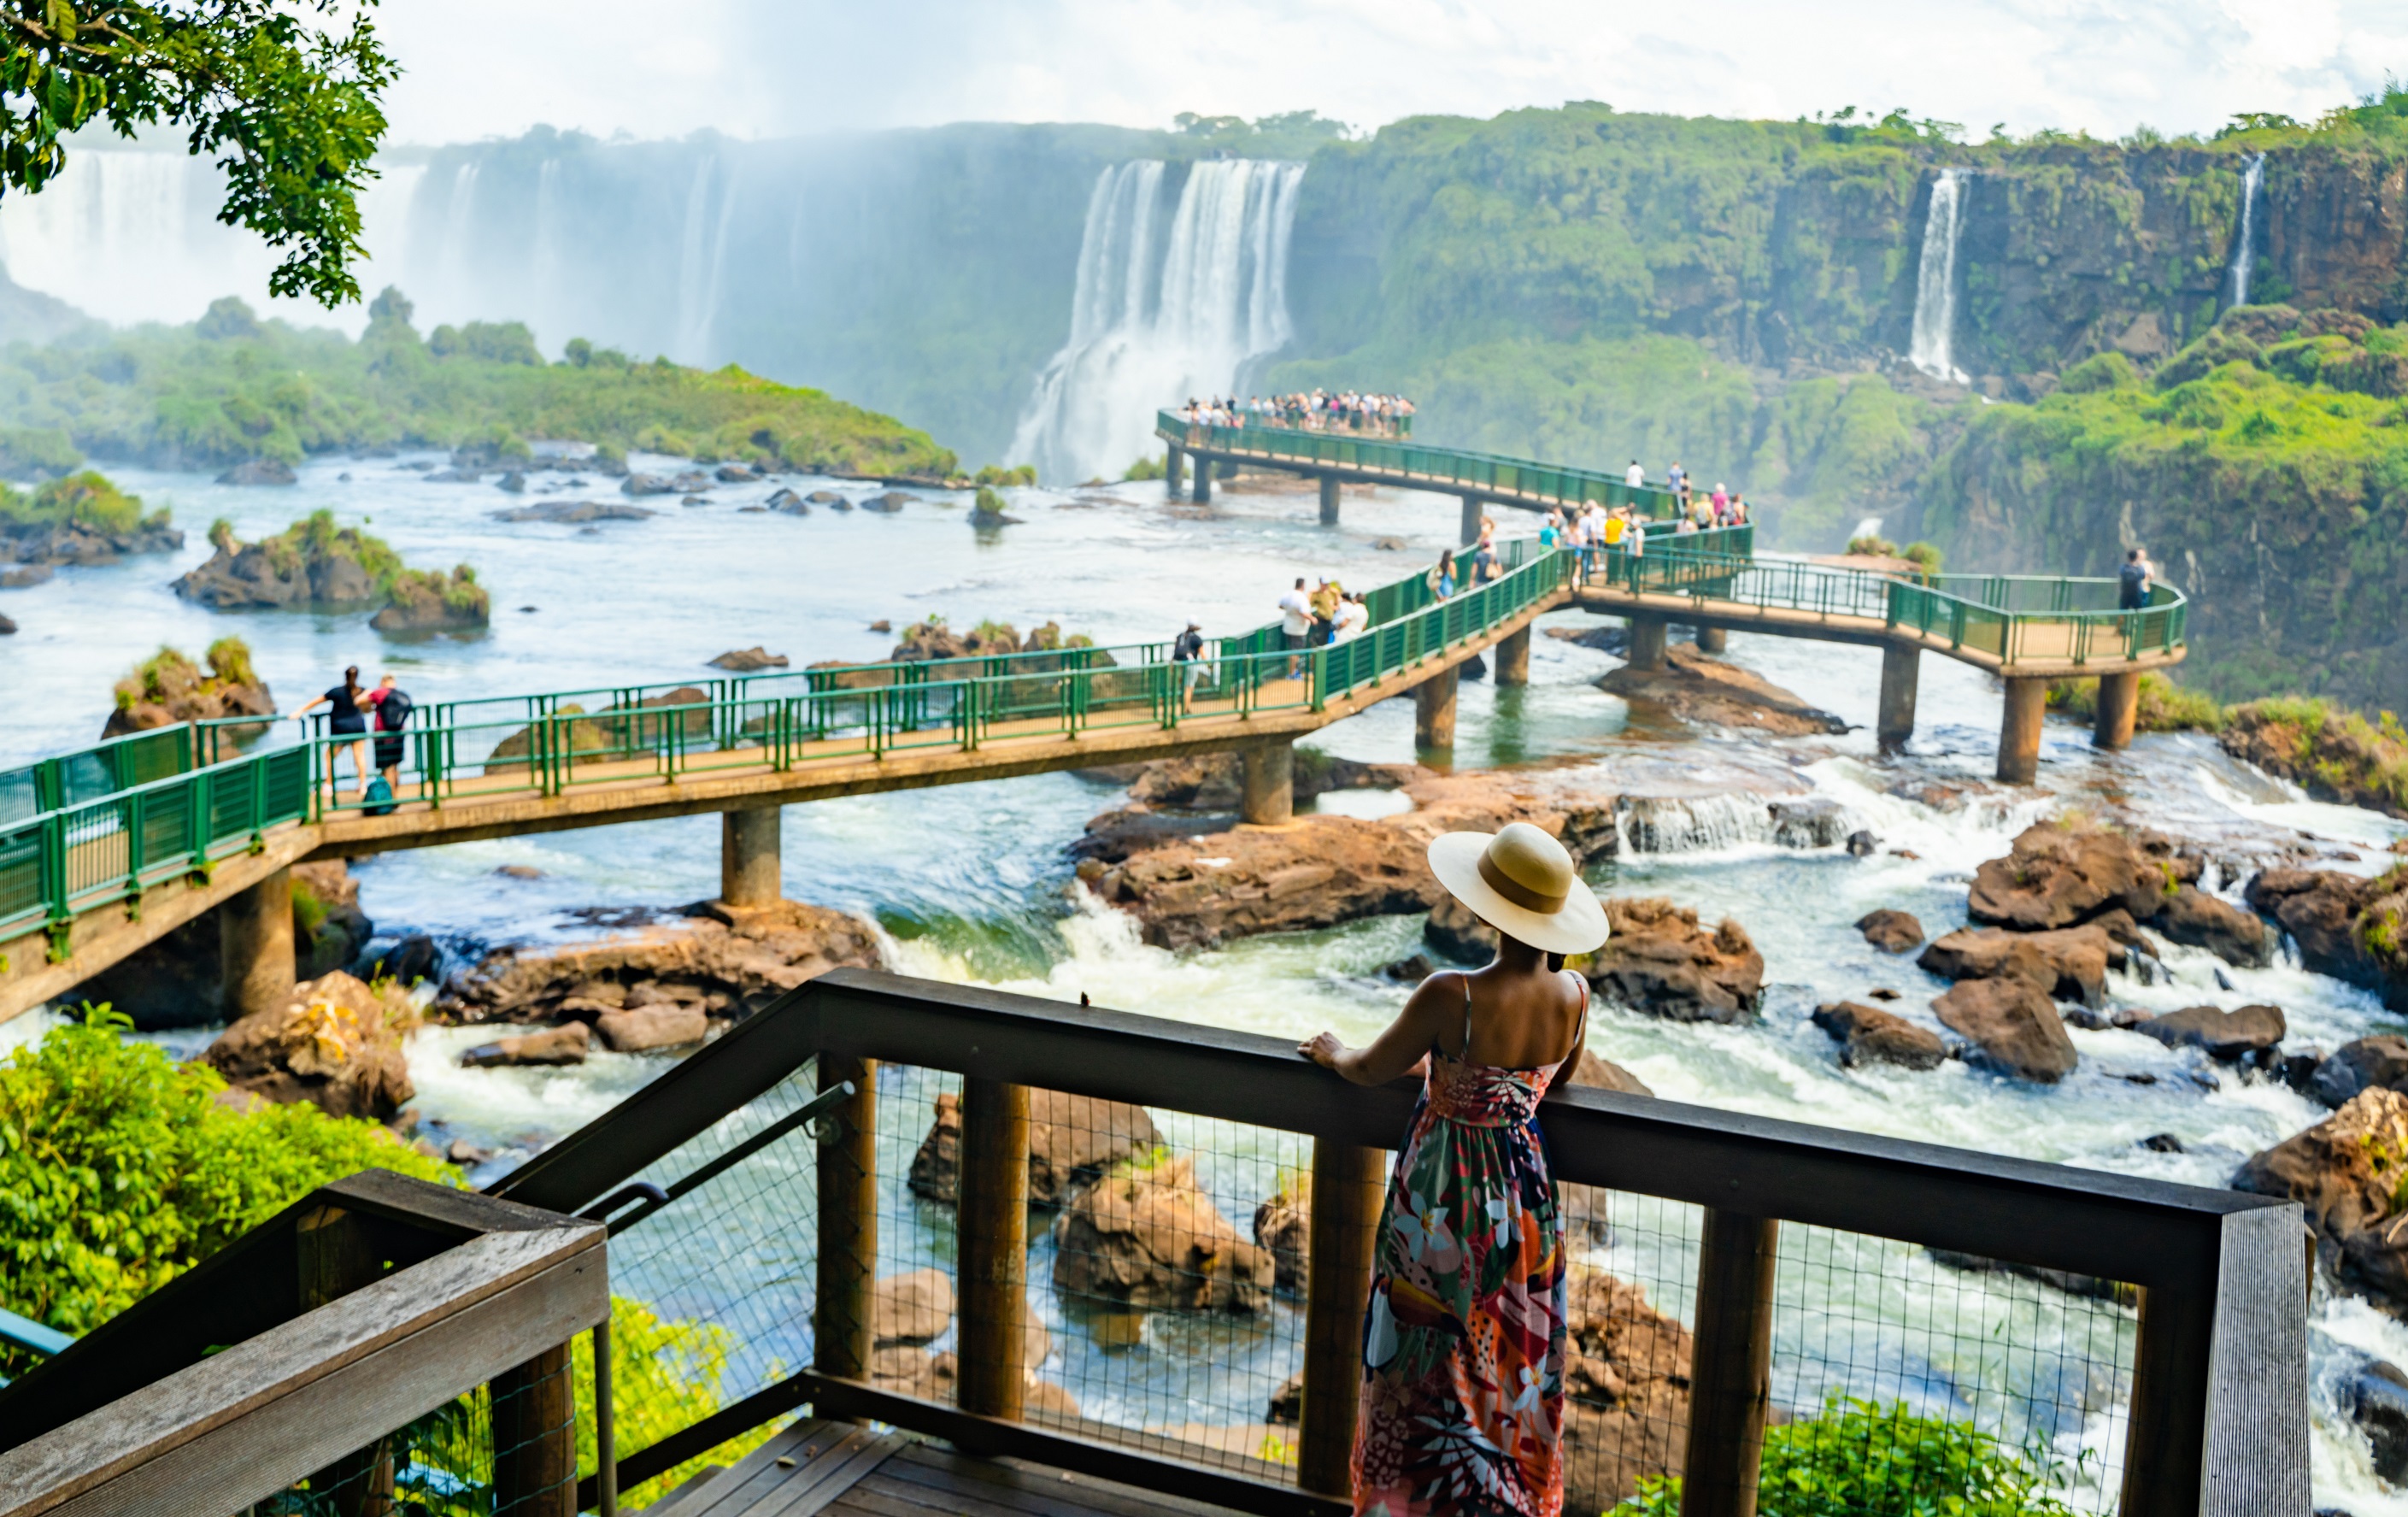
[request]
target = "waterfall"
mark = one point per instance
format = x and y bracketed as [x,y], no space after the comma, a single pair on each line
[1148,332]
[2236,283]
[702,261]
[1935,280]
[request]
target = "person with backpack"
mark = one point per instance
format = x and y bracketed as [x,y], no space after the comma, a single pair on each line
[1187,653]
[346,723]
[2132,582]
[393,707]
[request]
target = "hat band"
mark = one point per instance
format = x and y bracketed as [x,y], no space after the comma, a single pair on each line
[1519,894]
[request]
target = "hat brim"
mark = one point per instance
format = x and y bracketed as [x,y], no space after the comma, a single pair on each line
[1578,927]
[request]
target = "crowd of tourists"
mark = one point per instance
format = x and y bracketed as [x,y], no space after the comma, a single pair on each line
[1720,507]
[1317,410]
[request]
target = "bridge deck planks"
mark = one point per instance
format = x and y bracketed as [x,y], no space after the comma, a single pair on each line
[814,1468]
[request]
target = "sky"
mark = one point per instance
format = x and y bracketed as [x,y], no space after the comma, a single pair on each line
[768,68]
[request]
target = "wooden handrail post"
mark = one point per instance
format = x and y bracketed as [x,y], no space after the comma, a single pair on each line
[1730,1366]
[533,1412]
[1347,1182]
[848,1223]
[2165,1440]
[993,1249]
[336,1258]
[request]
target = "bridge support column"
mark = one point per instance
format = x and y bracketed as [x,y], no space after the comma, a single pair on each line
[992,1222]
[1469,530]
[1434,712]
[255,948]
[1895,723]
[749,863]
[1271,783]
[1329,500]
[1646,643]
[2019,730]
[1174,469]
[1712,639]
[1202,493]
[2119,706]
[1513,658]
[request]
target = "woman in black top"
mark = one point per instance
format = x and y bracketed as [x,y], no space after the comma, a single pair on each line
[344,718]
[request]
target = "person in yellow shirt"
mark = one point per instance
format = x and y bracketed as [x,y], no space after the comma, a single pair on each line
[1324,610]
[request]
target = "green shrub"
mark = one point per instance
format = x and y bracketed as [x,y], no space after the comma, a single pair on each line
[2163,705]
[1873,547]
[85,499]
[995,475]
[230,661]
[27,452]
[118,1169]
[1922,556]
[169,673]
[1148,468]
[1861,1459]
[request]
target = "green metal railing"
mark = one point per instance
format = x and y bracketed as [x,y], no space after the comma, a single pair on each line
[1447,469]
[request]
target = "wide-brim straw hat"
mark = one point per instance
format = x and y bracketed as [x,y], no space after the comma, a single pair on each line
[1520,882]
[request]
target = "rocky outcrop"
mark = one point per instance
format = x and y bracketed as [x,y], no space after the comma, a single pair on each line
[1283,1227]
[1606,1075]
[656,1016]
[337,1044]
[260,471]
[329,928]
[2013,1024]
[1627,1387]
[300,569]
[2344,925]
[2069,870]
[572,512]
[2332,755]
[1071,1140]
[568,1044]
[2225,1034]
[2367,1062]
[80,541]
[168,689]
[1892,932]
[1661,961]
[1454,932]
[1695,687]
[2345,1172]
[908,1312]
[431,601]
[748,660]
[2191,916]
[1146,1237]
[2069,963]
[1216,781]
[1869,1035]
[734,960]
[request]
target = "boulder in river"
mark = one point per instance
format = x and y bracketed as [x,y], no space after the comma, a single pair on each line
[565,1044]
[573,512]
[175,980]
[430,601]
[2014,1025]
[1891,931]
[1071,1140]
[1454,932]
[168,689]
[986,511]
[648,484]
[748,660]
[2225,1034]
[2375,1396]
[2345,925]
[1284,1225]
[260,471]
[1216,781]
[2192,917]
[667,1022]
[2345,1172]
[311,566]
[2069,963]
[2069,869]
[79,519]
[734,474]
[26,577]
[1145,1235]
[783,500]
[2380,1061]
[1662,961]
[888,503]
[1869,1035]
[336,1044]
[1696,687]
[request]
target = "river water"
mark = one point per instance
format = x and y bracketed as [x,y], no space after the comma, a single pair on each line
[645,601]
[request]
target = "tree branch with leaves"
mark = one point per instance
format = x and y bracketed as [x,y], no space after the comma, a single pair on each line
[284,96]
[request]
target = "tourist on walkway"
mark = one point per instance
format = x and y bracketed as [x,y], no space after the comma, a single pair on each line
[1635,477]
[1353,617]
[2132,581]
[1326,598]
[344,719]
[1442,578]
[1461,1409]
[1188,649]
[1296,623]
[393,708]
[1551,531]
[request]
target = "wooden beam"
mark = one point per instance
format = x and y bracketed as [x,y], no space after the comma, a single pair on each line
[848,1223]
[1347,1185]
[994,1248]
[1731,1365]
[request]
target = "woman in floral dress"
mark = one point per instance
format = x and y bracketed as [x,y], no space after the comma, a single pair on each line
[1462,1404]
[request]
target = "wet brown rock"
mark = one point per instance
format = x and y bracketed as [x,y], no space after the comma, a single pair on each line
[2014,1023]
[2345,1172]
[2225,1034]
[1071,1139]
[2346,927]
[1606,1075]
[1456,933]
[1892,932]
[734,960]
[1284,1225]
[748,660]
[1662,962]
[1216,781]
[337,1044]
[910,1308]
[2069,870]
[2069,963]
[1698,688]
[639,1029]
[1626,1380]
[566,1044]
[2380,1060]
[1872,1035]
[2193,917]
[1150,1238]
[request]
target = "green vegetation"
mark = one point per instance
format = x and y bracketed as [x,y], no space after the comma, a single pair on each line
[2163,705]
[995,474]
[1924,556]
[1860,1457]
[2333,753]
[1873,547]
[85,499]
[169,675]
[120,1171]
[285,102]
[231,387]
[1148,468]
[316,538]
[34,452]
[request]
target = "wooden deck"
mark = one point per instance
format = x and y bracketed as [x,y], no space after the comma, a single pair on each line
[842,1467]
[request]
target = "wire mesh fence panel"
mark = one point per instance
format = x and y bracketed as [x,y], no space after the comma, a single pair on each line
[1632,1266]
[915,1282]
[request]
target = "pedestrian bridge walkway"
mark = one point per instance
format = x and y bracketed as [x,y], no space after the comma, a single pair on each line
[106,849]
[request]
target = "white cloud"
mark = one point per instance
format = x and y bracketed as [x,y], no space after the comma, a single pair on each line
[778,67]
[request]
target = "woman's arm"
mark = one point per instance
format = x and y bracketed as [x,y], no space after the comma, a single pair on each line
[304,710]
[1401,1048]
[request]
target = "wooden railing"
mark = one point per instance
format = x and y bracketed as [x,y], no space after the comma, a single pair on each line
[2205,1289]
[312,1349]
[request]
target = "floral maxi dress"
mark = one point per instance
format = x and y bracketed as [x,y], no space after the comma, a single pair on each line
[1462,1403]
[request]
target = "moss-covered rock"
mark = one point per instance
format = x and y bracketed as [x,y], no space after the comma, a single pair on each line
[168,687]
[79,519]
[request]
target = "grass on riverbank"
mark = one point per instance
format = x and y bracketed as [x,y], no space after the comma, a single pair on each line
[2327,749]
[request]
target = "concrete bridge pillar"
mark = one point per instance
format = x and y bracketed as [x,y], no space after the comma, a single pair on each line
[2019,730]
[1901,665]
[1646,653]
[255,948]
[1270,797]
[1513,658]
[1712,639]
[1434,711]
[750,872]
[1174,469]
[2119,706]
[1203,494]
[1329,500]
[1470,531]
